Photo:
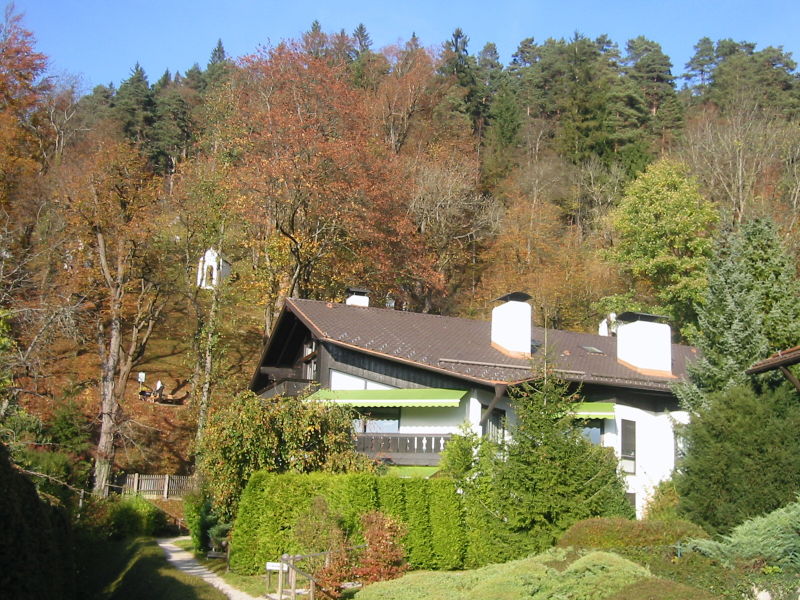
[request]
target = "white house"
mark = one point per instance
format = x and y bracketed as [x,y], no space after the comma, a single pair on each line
[212,268]
[416,378]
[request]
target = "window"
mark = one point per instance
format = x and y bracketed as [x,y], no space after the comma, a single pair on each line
[628,446]
[495,426]
[377,420]
[631,497]
[593,431]
[309,359]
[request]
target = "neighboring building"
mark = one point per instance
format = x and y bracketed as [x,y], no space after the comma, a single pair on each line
[417,378]
[212,268]
[781,360]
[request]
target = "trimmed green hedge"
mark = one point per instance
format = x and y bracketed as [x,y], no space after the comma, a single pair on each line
[419,551]
[272,504]
[448,538]
[36,535]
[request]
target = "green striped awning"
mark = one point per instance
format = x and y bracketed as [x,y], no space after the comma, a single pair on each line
[395,397]
[594,410]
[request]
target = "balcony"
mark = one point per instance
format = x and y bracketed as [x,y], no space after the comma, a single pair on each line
[403,448]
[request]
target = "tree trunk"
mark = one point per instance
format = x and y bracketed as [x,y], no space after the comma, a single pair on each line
[109,351]
[208,361]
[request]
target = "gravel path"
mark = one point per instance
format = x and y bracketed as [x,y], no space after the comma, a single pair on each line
[184,561]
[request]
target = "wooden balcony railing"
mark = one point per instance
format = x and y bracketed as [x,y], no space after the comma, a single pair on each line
[403,448]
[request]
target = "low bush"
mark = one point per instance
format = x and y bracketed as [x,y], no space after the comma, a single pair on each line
[770,540]
[592,577]
[610,533]
[131,516]
[663,504]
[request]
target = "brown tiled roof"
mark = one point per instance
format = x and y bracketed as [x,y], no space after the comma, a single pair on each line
[782,358]
[461,347]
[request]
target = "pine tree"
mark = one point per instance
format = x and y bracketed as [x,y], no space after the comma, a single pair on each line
[742,457]
[134,106]
[750,309]
[552,476]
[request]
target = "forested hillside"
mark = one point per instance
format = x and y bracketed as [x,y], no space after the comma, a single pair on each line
[591,173]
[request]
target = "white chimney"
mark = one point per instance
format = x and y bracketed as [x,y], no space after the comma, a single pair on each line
[644,344]
[357,296]
[511,325]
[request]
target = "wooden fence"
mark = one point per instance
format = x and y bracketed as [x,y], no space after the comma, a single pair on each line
[159,486]
[403,448]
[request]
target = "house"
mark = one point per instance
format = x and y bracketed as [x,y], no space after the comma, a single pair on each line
[212,268]
[416,378]
[780,360]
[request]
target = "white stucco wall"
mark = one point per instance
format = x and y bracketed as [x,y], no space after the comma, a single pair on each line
[655,448]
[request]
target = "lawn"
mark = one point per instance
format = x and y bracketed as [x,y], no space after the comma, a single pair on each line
[135,569]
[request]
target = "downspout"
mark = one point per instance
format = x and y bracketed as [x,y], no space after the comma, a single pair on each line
[499,392]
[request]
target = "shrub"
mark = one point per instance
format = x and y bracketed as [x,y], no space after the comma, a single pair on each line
[277,435]
[197,513]
[384,557]
[131,516]
[611,533]
[663,503]
[772,539]
[448,540]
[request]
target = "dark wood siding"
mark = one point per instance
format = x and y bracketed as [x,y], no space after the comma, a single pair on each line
[381,370]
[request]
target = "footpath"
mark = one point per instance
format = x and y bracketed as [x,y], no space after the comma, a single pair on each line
[186,562]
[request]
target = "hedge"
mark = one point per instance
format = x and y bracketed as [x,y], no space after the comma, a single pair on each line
[272,504]
[448,539]
[35,533]
[419,551]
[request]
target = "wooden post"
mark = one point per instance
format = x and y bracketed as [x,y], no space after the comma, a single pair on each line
[135,483]
[166,487]
[292,579]
[280,576]
[312,589]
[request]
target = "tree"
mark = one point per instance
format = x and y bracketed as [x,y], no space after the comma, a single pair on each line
[108,198]
[750,309]
[663,238]
[520,494]
[552,476]
[740,442]
[276,434]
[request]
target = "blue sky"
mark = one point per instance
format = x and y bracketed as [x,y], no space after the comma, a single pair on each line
[102,39]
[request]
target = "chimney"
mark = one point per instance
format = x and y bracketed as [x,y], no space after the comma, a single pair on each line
[644,344]
[511,325]
[357,296]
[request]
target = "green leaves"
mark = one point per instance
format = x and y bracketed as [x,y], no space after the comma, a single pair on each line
[664,229]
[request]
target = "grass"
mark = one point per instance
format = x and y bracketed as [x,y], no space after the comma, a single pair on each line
[254,585]
[411,471]
[134,569]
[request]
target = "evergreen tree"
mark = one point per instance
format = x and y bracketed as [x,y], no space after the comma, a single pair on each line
[701,66]
[742,457]
[552,476]
[651,71]
[363,42]
[134,107]
[219,67]
[750,309]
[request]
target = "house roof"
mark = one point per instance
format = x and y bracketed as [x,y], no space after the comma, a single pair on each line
[461,347]
[782,358]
